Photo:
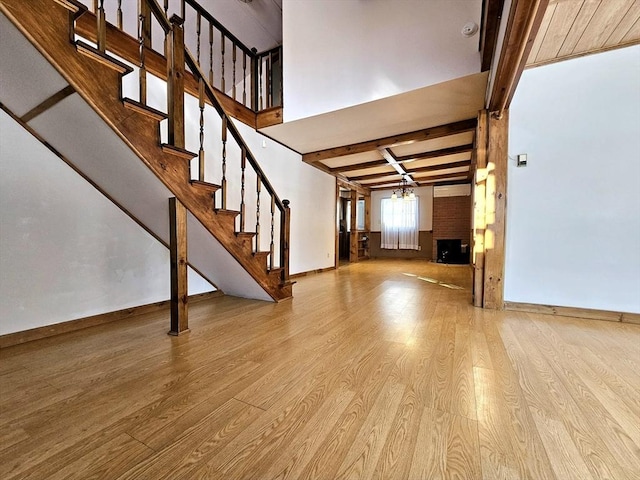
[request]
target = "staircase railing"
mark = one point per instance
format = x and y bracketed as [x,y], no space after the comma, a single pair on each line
[239,167]
[249,77]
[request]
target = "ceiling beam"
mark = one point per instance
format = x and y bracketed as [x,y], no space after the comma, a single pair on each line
[359,166]
[524,22]
[441,166]
[394,140]
[443,152]
[437,178]
[373,176]
[491,15]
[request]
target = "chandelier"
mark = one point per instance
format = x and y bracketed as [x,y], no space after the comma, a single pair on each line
[404,191]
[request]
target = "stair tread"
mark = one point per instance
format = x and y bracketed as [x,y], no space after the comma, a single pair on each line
[246,234]
[103,58]
[144,109]
[207,185]
[180,152]
[226,212]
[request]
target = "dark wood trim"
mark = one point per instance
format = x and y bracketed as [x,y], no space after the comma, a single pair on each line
[435,178]
[491,16]
[345,183]
[312,272]
[372,176]
[268,117]
[48,103]
[587,313]
[391,141]
[17,338]
[525,18]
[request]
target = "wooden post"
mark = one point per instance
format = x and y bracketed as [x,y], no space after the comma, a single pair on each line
[353,235]
[101,27]
[286,232]
[175,82]
[496,200]
[178,260]
[144,43]
[479,208]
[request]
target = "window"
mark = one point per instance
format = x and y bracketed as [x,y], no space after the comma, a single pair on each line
[400,223]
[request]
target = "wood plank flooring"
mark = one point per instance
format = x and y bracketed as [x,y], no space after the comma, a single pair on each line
[378,370]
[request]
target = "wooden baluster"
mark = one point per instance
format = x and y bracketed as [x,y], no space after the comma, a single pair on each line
[166,7]
[211,54]
[273,214]
[260,81]
[244,78]
[119,14]
[285,230]
[201,151]
[183,11]
[95,6]
[174,52]
[144,42]
[234,70]
[258,189]
[243,165]
[222,47]
[269,81]
[223,188]
[254,80]
[198,31]
[101,27]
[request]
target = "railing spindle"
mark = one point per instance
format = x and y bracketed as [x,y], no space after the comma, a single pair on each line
[243,166]
[201,151]
[268,81]
[285,231]
[258,190]
[119,14]
[224,163]
[183,11]
[273,214]
[244,79]
[198,31]
[166,8]
[210,53]
[260,80]
[101,27]
[222,46]
[95,6]
[234,71]
[143,27]
[254,79]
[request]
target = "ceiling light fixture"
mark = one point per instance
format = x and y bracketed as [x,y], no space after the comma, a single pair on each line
[403,190]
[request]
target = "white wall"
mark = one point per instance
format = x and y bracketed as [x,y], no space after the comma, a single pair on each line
[66,252]
[573,221]
[312,194]
[342,53]
[424,194]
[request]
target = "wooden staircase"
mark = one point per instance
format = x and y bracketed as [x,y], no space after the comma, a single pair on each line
[97,76]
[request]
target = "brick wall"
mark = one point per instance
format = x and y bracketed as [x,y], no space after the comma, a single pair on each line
[451,219]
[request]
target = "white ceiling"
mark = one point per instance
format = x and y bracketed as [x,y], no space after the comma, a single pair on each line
[447,102]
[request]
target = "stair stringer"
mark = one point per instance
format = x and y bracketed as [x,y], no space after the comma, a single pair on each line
[100,87]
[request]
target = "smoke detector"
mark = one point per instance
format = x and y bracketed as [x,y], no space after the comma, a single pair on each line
[469,30]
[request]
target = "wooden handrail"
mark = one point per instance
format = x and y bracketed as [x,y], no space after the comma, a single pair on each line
[197,71]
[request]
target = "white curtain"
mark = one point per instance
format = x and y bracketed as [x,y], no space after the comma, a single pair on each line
[400,223]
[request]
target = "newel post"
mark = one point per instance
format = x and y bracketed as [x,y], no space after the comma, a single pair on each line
[178,263]
[286,231]
[174,51]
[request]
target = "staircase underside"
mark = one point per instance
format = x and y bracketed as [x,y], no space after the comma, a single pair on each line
[106,141]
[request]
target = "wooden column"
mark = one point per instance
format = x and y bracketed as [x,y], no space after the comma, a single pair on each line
[178,260]
[175,82]
[353,234]
[479,208]
[496,201]
[285,234]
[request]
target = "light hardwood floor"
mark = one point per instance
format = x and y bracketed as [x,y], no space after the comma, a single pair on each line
[371,371]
